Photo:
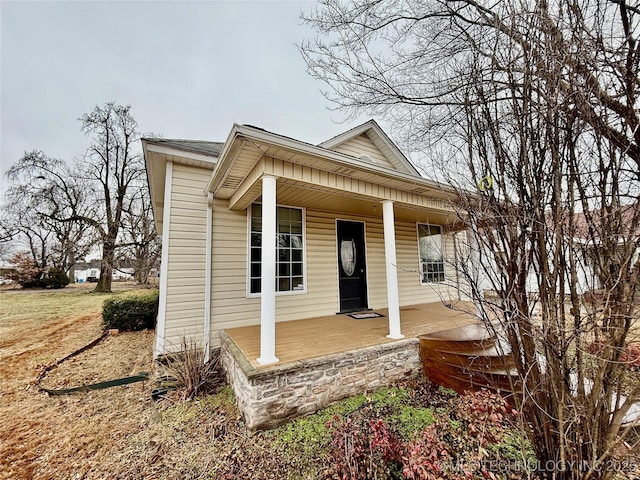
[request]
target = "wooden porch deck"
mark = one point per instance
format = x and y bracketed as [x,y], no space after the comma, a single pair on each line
[316,337]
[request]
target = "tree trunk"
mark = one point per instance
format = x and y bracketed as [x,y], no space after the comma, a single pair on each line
[72,267]
[106,268]
[141,274]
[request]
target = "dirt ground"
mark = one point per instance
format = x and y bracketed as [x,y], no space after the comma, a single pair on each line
[114,433]
[56,437]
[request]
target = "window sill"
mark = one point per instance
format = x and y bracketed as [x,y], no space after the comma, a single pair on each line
[279,294]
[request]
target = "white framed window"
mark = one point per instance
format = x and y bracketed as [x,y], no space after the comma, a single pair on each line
[290,245]
[430,251]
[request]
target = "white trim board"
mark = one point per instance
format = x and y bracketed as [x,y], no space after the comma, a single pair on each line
[164,263]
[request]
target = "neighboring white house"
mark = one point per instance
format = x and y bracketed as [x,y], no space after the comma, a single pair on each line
[91,272]
[124,273]
[87,270]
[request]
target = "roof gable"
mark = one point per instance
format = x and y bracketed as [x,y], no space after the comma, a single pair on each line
[369,142]
[251,152]
[362,147]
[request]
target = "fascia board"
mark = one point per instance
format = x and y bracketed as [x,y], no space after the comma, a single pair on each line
[344,136]
[392,146]
[149,168]
[224,160]
[181,153]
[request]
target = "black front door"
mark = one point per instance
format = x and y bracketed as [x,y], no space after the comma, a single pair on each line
[352,270]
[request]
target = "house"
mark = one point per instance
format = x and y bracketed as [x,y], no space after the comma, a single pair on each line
[90,272]
[87,270]
[586,249]
[270,242]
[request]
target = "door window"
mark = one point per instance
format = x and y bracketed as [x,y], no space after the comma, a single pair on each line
[348,256]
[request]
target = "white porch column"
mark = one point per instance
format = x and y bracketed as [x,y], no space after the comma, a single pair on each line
[392,273]
[268,280]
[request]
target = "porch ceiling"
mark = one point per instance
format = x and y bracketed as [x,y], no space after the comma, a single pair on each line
[315,198]
[305,186]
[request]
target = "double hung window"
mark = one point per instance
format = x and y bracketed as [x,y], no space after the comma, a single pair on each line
[430,249]
[289,249]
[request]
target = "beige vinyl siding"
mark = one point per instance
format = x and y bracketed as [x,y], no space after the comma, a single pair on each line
[448,247]
[411,291]
[343,181]
[362,145]
[230,306]
[186,266]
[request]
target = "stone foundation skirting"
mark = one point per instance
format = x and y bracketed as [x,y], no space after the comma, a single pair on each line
[269,396]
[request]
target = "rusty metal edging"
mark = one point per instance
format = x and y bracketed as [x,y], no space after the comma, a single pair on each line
[142,376]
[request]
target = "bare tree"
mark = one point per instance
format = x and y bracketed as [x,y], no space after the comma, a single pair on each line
[530,111]
[116,168]
[44,205]
[30,231]
[92,199]
[7,234]
[391,57]
[141,244]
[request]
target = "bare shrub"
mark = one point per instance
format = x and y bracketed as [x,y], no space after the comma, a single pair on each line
[192,373]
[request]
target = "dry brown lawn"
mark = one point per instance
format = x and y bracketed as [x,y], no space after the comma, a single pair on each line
[114,433]
[118,433]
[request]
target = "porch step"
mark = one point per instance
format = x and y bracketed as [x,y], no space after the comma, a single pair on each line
[468,358]
[470,338]
[478,360]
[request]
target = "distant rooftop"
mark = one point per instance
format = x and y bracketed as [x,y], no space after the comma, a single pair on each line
[195,146]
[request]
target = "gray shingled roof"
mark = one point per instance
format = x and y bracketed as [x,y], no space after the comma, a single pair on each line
[195,146]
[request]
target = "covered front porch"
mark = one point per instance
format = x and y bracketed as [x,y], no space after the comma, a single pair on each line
[325,359]
[356,225]
[311,338]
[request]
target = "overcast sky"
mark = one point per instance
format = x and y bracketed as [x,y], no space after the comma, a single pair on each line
[188,69]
